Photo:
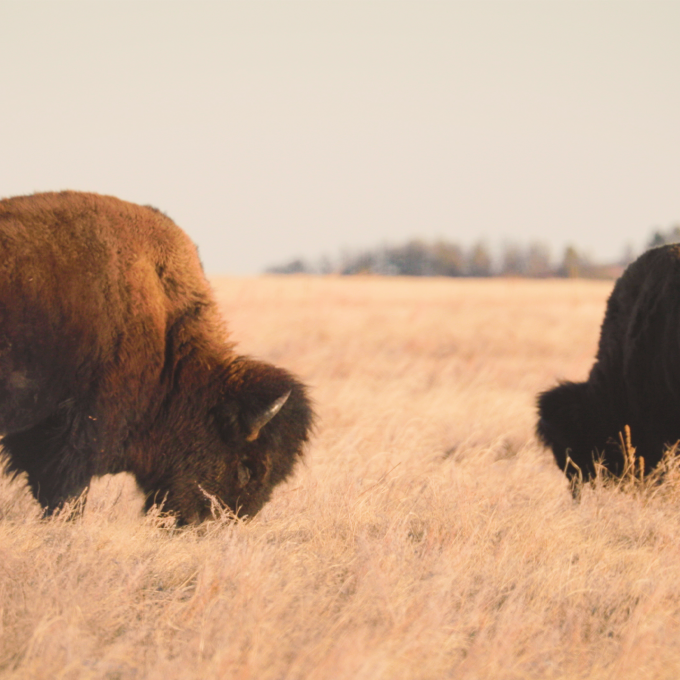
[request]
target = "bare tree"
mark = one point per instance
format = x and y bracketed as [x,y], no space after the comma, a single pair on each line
[513,262]
[447,259]
[538,260]
[479,260]
[571,263]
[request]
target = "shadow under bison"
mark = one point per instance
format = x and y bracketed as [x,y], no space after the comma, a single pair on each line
[113,358]
[635,380]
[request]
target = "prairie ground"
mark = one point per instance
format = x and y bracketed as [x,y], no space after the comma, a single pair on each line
[427,535]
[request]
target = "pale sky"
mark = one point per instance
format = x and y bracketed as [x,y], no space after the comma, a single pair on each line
[282,129]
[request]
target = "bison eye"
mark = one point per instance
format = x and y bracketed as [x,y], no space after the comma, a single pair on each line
[266,415]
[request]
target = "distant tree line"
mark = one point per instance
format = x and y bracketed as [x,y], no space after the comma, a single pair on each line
[443,258]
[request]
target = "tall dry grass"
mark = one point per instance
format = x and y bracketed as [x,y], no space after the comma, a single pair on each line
[426,536]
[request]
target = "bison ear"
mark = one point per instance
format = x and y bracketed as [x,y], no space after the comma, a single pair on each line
[262,418]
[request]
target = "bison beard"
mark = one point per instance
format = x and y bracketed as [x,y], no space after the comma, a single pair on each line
[635,380]
[113,359]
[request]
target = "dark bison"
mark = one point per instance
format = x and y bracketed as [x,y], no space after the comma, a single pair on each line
[635,380]
[113,358]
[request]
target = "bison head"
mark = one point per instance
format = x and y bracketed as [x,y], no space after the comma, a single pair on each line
[242,435]
[572,422]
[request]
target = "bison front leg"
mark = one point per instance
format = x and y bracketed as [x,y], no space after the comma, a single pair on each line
[57,471]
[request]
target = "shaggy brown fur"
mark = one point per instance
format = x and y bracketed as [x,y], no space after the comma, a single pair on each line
[635,380]
[113,358]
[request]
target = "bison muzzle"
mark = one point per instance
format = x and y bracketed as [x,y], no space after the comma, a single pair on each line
[114,358]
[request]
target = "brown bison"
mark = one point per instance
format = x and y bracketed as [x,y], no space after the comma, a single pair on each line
[635,380]
[113,358]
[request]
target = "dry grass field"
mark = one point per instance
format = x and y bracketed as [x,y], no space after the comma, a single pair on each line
[427,535]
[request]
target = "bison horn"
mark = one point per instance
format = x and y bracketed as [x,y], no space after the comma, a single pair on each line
[266,416]
[243,475]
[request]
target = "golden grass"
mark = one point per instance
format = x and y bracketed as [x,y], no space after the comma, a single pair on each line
[426,536]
